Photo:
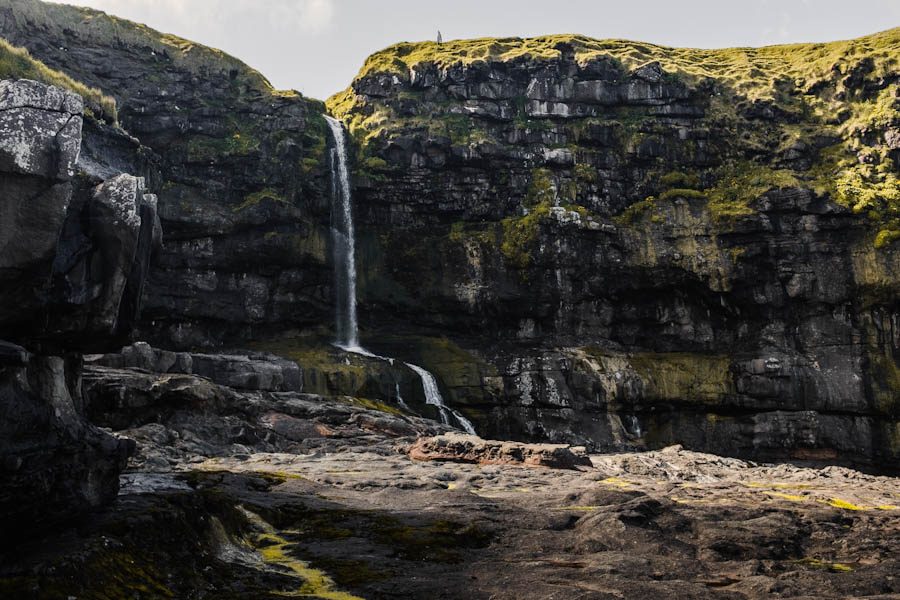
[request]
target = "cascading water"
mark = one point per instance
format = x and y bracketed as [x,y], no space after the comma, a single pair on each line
[433,397]
[343,238]
[344,241]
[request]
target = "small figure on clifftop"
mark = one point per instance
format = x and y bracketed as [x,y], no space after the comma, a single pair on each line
[440,40]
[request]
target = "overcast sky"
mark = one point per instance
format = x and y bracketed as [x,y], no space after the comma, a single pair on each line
[318,46]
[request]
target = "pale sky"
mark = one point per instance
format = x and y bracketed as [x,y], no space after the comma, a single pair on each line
[318,46]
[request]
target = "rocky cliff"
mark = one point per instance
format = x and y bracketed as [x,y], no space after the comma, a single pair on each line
[75,251]
[605,243]
[241,179]
[602,242]
[641,244]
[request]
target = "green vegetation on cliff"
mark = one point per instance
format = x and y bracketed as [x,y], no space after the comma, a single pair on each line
[753,71]
[17,63]
[820,116]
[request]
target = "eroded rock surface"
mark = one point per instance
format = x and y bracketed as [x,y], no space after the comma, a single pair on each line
[456,447]
[247,494]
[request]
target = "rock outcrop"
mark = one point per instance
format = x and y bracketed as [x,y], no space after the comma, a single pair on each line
[40,140]
[53,463]
[74,258]
[456,447]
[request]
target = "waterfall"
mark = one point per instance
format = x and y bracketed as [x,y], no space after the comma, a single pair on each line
[344,241]
[400,401]
[634,426]
[345,277]
[433,397]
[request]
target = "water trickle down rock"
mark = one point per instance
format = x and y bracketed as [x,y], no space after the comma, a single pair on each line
[345,278]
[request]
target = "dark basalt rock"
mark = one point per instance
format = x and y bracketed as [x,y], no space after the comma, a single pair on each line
[74,254]
[247,371]
[53,464]
[241,177]
[102,261]
[40,138]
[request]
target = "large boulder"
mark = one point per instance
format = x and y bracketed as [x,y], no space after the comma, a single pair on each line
[40,129]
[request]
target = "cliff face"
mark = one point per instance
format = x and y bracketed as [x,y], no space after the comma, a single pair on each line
[241,176]
[641,244]
[604,242]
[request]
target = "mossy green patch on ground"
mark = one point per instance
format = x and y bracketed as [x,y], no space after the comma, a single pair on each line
[274,550]
[831,566]
[17,63]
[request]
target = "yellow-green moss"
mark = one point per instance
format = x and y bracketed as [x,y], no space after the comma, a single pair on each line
[256,197]
[633,213]
[684,377]
[273,548]
[206,148]
[584,172]
[831,566]
[677,179]
[17,63]
[838,503]
[520,234]
[742,182]
[372,405]
[540,188]
[682,193]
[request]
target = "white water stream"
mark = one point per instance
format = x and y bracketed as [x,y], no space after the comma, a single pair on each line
[343,237]
[344,240]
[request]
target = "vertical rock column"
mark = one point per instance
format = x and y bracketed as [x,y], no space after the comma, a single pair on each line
[40,139]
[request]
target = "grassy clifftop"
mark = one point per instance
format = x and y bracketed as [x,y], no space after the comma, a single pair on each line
[749,70]
[17,63]
[824,116]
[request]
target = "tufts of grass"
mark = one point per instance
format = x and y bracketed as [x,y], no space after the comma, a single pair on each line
[17,63]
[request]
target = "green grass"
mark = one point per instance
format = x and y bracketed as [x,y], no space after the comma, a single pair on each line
[17,63]
[806,85]
[750,70]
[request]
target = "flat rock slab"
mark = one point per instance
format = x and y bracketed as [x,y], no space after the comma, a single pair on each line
[455,447]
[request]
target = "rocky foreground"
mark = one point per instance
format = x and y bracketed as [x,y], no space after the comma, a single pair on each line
[253,490]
